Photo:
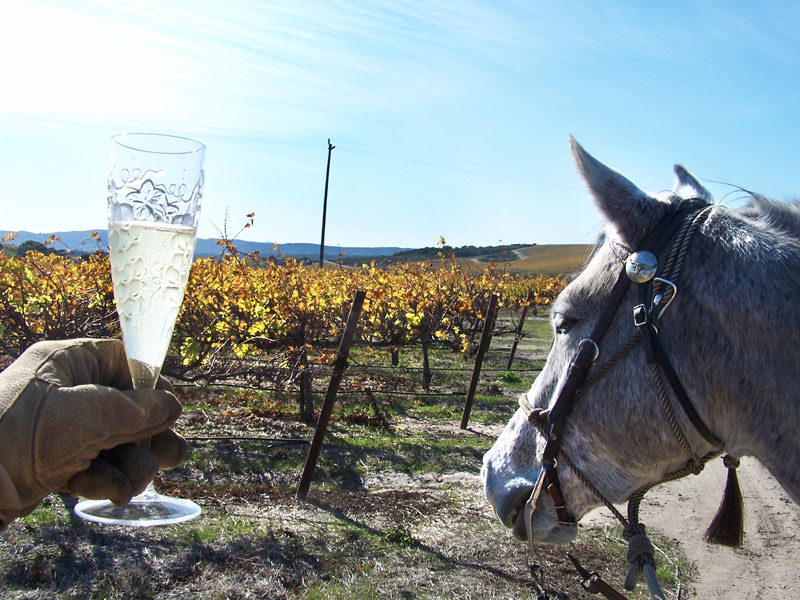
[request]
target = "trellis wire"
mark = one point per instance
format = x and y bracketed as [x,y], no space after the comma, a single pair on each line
[340,392]
[271,441]
[325,370]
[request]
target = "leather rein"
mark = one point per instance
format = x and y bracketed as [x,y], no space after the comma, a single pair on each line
[670,238]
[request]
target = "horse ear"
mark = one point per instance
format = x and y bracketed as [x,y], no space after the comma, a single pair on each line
[687,186]
[626,207]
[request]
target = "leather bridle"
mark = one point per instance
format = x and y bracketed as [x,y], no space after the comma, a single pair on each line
[656,286]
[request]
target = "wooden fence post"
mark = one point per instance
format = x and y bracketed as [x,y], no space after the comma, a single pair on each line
[486,338]
[518,333]
[330,395]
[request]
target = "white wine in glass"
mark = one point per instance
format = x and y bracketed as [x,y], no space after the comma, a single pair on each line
[155,186]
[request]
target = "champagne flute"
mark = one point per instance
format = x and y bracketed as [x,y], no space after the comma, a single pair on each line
[155,186]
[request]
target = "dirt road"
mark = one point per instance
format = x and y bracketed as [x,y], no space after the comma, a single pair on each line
[766,564]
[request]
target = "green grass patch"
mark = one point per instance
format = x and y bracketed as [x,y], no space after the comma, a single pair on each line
[345,590]
[44,514]
[244,455]
[509,377]
[400,535]
[365,450]
[220,529]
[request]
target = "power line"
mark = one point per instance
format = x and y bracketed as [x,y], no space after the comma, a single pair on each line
[325,205]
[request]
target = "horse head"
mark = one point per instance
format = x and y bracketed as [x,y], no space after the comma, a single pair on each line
[616,434]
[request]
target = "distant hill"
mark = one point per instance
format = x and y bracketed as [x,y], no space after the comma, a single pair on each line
[80,241]
[480,254]
[547,259]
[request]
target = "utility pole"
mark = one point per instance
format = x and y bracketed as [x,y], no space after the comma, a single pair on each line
[325,205]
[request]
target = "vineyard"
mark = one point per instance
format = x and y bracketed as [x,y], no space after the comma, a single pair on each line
[252,320]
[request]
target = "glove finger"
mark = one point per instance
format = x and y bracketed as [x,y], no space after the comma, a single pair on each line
[136,462]
[111,416]
[117,474]
[79,361]
[169,448]
[164,384]
[83,361]
[101,481]
[75,424]
[113,366]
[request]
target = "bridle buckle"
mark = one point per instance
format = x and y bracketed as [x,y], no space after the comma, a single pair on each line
[640,315]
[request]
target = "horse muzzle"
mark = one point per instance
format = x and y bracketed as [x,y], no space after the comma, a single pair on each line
[538,520]
[509,498]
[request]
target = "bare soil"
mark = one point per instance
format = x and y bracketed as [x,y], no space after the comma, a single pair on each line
[766,564]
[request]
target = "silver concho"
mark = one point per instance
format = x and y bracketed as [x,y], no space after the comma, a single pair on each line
[641,266]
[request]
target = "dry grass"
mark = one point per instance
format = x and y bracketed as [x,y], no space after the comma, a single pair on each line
[551,259]
[547,259]
[394,512]
[367,530]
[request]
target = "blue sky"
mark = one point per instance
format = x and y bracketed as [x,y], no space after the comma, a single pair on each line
[450,117]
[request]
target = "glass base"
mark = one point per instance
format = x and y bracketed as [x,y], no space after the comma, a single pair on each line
[145,510]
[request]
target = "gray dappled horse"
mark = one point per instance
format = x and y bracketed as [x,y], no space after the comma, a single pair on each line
[731,333]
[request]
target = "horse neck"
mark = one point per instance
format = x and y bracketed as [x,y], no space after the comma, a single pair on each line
[740,306]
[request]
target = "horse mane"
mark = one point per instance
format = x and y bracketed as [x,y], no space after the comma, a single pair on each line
[770,217]
[761,230]
[783,217]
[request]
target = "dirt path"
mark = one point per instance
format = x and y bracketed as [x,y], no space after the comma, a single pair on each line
[766,564]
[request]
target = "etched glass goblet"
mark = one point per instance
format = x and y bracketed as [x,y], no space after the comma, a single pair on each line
[155,185]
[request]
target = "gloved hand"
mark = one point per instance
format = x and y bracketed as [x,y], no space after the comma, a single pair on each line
[63,403]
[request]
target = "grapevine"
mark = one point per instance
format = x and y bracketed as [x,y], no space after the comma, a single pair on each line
[244,315]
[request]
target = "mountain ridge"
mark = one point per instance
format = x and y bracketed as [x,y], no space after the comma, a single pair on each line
[82,241]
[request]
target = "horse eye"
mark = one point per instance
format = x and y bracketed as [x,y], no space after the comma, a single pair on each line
[564,324]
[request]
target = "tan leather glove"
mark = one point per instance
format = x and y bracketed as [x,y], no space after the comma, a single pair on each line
[62,404]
